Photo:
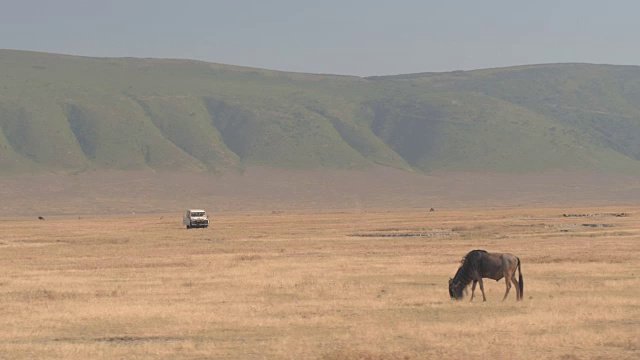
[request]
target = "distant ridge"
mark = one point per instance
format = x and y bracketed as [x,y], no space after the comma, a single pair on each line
[67,114]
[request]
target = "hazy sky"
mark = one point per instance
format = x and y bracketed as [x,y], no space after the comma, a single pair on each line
[331,36]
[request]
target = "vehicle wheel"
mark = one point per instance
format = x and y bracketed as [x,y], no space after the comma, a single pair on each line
[188,227]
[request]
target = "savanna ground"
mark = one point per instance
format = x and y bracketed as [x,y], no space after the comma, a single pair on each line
[319,285]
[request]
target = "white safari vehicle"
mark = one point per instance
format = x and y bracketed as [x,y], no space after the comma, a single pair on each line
[195,218]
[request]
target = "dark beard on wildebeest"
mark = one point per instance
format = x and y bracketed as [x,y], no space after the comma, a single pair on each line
[478,264]
[456,290]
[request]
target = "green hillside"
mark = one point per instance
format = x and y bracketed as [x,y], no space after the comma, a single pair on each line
[67,113]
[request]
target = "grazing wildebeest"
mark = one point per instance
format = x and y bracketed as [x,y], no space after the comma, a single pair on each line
[432,210]
[40,218]
[479,264]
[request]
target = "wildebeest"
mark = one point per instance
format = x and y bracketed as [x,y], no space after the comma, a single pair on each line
[40,218]
[478,264]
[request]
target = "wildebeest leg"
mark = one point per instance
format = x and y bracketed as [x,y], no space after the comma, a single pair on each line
[515,282]
[473,289]
[508,283]
[484,298]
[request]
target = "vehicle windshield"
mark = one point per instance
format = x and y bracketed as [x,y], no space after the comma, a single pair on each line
[197,214]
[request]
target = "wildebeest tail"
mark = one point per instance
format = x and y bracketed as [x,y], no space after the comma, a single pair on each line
[520,283]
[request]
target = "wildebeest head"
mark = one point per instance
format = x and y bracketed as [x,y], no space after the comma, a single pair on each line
[455,289]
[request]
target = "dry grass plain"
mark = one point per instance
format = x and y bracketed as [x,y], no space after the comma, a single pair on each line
[309,285]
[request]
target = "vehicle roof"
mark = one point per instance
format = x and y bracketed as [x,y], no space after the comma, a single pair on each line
[195,210]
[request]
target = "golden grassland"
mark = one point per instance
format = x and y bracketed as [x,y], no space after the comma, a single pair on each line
[318,285]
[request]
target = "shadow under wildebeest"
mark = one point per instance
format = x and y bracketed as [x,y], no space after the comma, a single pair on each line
[479,264]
